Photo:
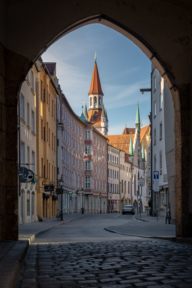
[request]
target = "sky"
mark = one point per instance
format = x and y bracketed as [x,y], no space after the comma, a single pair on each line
[123,70]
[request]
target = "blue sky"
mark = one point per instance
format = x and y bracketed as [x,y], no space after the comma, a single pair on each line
[123,69]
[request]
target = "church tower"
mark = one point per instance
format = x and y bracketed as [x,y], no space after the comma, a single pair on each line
[97,114]
[137,141]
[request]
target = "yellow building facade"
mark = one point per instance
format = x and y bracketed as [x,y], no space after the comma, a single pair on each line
[46,142]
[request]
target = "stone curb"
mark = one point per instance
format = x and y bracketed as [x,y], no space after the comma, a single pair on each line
[31,238]
[10,264]
[141,236]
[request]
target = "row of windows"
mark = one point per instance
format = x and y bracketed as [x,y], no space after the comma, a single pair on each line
[113,159]
[113,188]
[71,160]
[48,170]
[47,136]
[70,123]
[26,114]
[27,156]
[113,174]
[95,102]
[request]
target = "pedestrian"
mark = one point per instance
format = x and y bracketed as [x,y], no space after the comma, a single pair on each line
[168,217]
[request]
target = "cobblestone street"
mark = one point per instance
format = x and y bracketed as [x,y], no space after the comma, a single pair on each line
[140,263]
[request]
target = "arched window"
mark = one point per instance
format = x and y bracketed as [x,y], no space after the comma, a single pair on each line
[95,101]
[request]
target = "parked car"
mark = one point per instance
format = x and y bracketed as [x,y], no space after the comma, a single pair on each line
[128,209]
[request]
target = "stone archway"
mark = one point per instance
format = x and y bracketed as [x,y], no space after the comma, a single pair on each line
[167,44]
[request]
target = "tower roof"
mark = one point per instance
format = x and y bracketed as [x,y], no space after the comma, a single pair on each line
[95,87]
[137,115]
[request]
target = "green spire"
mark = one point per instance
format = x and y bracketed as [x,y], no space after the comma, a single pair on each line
[143,153]
[83,117]
[85,112]
[130,147]
[138,116]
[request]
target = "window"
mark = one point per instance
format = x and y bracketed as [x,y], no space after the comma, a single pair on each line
[154,140]
[33,161]
[42,175]
[155,109]
[100,100]
[160,162]
[88,165]
[87,134]
[95,101]
[41,90]
[22,153]
[88,149]
[155,82]
[33,204]
[161,94]
[42,129]
[87,182]
[32,121]
[28,116]
[91,101]
[32,81]
[28,203]
[22,106]
[160,131]
[28,155]
[155,163]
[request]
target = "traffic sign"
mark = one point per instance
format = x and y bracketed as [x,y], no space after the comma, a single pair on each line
[156,175]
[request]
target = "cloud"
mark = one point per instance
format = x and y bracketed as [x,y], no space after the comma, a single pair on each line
[118,96]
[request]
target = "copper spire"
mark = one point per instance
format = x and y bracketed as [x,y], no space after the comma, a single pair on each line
[95,87]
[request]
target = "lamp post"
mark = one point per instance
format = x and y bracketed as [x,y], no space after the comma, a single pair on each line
[143,90]
[82,202]
[60,191]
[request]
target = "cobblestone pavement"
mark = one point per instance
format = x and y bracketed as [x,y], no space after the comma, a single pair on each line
[114,264]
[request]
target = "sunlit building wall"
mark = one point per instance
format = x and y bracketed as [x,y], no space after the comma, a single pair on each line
[46,91]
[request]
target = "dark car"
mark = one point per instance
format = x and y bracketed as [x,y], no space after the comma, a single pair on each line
[128,209]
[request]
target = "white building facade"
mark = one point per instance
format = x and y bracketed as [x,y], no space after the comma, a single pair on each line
[27,147]
[114,201]
[70,153]
[159,167]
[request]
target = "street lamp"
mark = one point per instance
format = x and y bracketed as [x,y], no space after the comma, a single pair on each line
[60,191]
[82,202]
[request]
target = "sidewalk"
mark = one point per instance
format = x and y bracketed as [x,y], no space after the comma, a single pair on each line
[30,230]
[13,252]
[145,226]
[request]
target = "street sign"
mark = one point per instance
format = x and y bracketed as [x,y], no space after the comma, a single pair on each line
[156,175]
[156,181]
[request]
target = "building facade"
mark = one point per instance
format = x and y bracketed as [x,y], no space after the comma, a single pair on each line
[27,147]
[46,91]
[162,199]
[114,200]
[134,144]
[70,177]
